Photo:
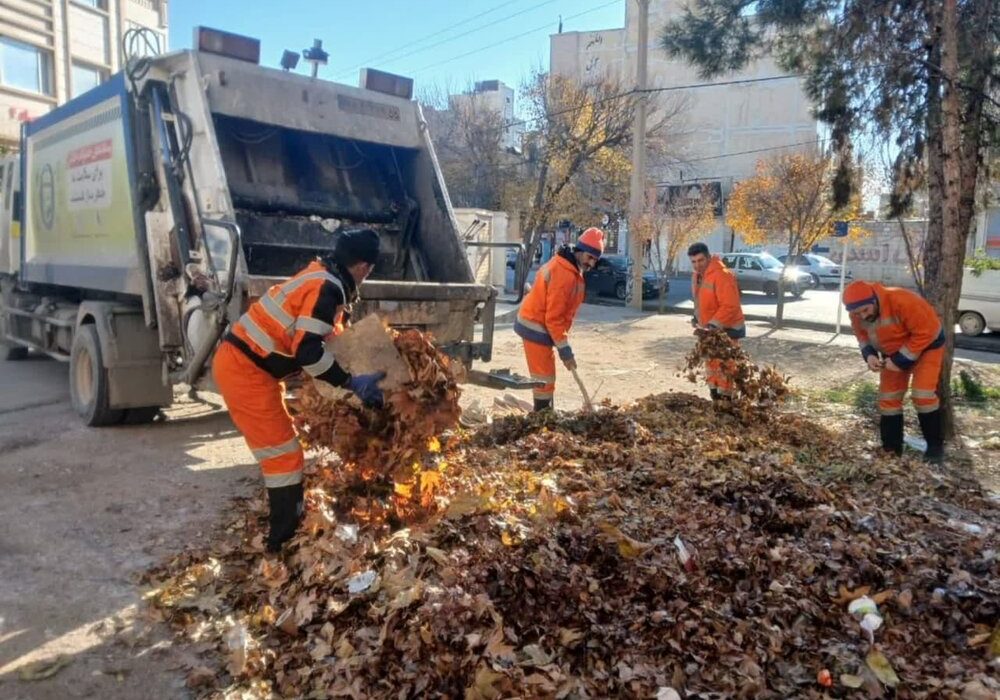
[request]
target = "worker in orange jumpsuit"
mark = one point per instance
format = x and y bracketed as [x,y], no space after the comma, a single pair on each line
[901,337]
[282,333]
[547,313]
[716,305]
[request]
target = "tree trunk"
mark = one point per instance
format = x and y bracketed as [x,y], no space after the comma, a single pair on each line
[943,278]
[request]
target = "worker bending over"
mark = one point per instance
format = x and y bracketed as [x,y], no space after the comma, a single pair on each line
[901,337]
[281,334]
[716,305]
[548,310]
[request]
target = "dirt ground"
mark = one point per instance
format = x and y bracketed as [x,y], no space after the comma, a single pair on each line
[84,511]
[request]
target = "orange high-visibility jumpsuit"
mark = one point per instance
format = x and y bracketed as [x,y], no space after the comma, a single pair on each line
[717,305]
[907,331]
[281,333]
[546,316]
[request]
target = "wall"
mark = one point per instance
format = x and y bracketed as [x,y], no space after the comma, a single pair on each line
[70,32]
[488,265]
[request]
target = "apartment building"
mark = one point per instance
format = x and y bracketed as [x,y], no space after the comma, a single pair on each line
[54,50]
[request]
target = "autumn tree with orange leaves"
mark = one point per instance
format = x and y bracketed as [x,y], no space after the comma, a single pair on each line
[669,227]
[788,201]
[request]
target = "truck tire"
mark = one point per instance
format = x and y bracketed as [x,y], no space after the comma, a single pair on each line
[88,380]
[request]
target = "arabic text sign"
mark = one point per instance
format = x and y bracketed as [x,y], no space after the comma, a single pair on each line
[88,173]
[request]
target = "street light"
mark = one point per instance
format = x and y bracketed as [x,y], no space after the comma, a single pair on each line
[316,56]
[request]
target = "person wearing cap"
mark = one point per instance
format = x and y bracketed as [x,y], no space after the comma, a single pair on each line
[282,333]
[716,298]
[548,310]
[901,338]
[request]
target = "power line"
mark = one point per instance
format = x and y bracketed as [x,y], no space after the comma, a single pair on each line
[629,93]
[756,150]
[512,38]
[456,36]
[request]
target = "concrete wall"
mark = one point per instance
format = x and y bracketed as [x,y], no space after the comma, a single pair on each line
[68,32]
[880,257]
[488,264]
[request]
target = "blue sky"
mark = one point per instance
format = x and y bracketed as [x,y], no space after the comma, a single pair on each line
[422,39]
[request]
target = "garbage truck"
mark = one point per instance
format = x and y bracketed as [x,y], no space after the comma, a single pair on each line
[144,216]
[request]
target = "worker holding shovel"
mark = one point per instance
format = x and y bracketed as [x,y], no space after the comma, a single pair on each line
[716,298]
[282,333]
[547,313]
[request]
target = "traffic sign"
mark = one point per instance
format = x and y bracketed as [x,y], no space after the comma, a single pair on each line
[839,229]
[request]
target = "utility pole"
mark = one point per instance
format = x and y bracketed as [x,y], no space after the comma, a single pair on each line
[637,193]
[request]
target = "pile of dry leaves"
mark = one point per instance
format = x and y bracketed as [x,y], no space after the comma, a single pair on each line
[659,550]
[384,445]
[753,386]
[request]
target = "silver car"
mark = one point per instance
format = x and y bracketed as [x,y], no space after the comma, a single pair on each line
[760,272]
[825,272]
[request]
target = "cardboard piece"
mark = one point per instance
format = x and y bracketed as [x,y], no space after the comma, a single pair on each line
[367,347]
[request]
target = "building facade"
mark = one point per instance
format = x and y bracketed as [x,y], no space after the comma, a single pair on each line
[721,130]
[54,50]
[498,98]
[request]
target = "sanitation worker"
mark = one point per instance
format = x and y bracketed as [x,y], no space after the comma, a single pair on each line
[547,313]
[716,305]
[901,338]
[281,334]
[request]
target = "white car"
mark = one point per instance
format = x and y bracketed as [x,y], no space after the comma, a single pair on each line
[760,272]
[979,306]
[824,272]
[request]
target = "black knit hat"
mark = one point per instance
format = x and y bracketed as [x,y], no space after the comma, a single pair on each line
[358,245]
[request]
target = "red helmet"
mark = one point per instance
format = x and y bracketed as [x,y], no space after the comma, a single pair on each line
[591,241]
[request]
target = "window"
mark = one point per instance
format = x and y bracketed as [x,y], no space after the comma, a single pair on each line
[85,78]
[25,67]
[96,4]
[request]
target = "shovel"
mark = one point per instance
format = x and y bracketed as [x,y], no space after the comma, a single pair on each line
[588,405]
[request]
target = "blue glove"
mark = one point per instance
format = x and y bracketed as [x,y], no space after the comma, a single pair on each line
[365,387]
[565,353]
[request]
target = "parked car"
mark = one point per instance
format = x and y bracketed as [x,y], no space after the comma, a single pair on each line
[760,272]
[609,277]
[979,305]
[825,272]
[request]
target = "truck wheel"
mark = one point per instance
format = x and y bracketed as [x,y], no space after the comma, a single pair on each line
[88,380]
[620,291]
[12,353]
[971,323]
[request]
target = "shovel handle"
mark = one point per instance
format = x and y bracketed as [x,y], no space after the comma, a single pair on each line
[587,404]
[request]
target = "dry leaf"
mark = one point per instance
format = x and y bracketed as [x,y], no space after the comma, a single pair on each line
[882,669]
[46,668]
[484,685]
[851,681]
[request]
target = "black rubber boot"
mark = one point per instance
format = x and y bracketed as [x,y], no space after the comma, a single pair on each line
[891,428]
[933,429]
[714,393]
[543,405]
[286,511]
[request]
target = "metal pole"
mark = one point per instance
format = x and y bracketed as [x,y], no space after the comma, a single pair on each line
[843,275]
[637,194]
